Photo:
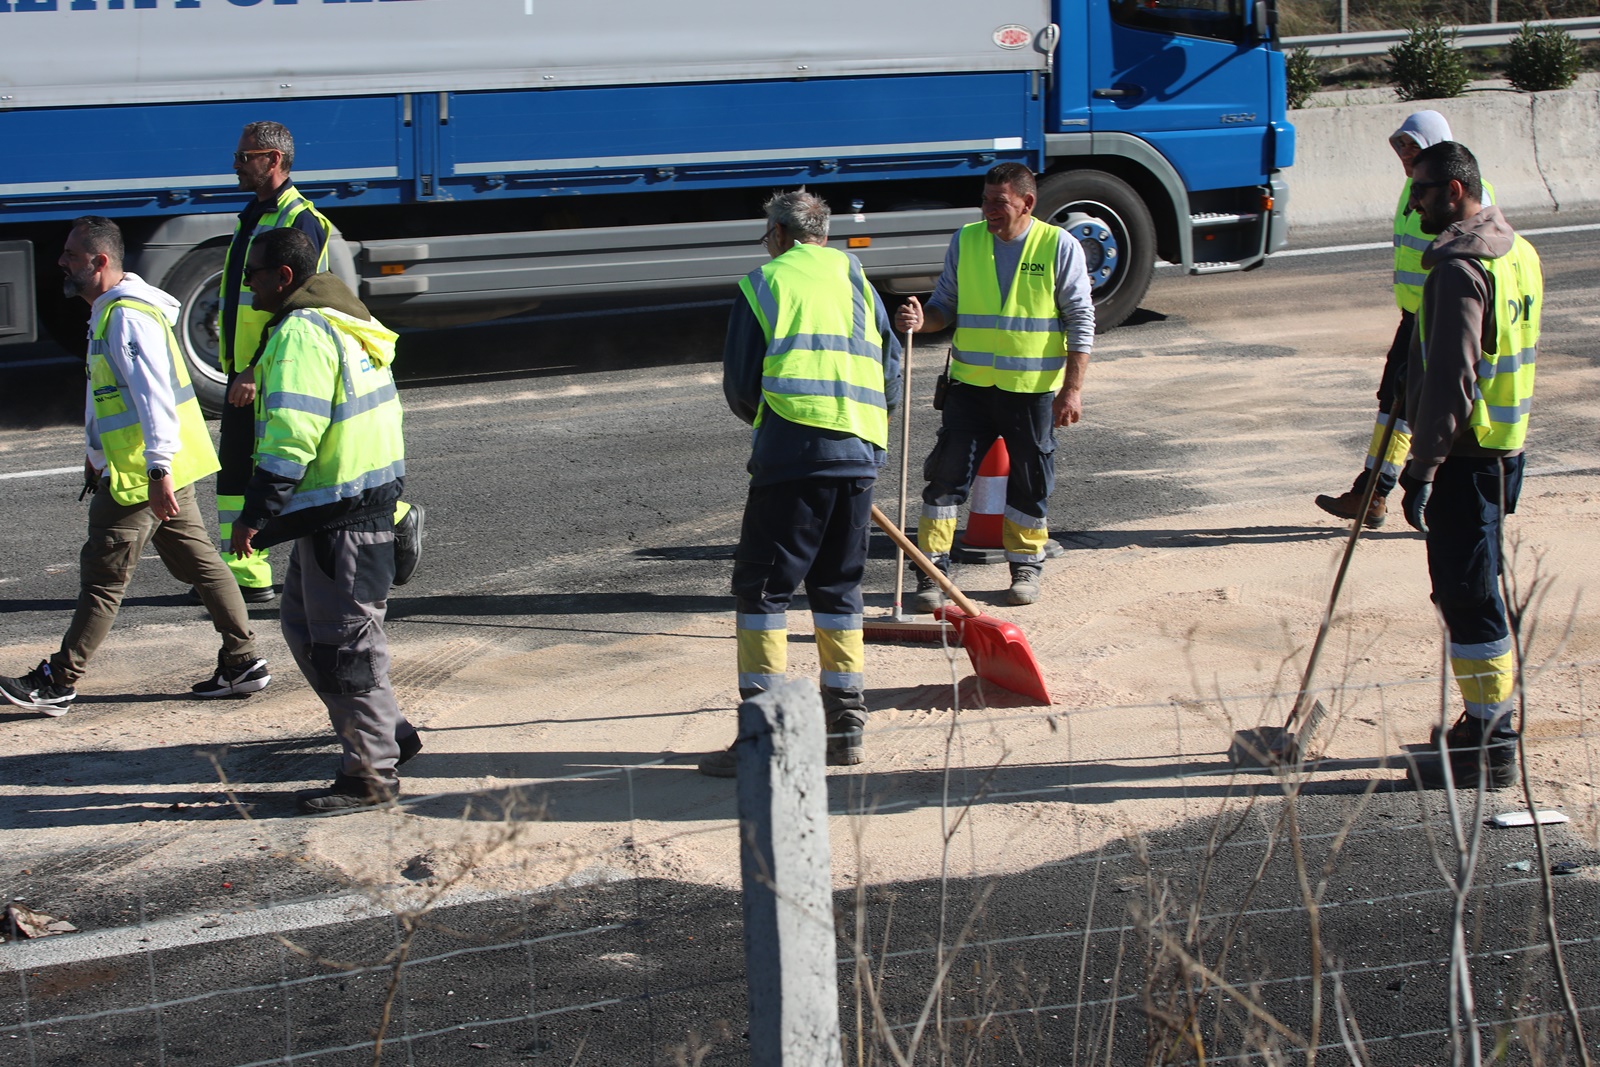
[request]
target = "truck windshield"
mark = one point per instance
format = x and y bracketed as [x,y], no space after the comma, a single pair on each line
[1224,20]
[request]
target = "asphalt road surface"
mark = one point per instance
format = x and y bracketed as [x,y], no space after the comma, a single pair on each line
[582,475]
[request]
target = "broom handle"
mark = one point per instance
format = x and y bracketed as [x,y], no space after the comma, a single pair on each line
[924,564]
[1303,699]
[905,454]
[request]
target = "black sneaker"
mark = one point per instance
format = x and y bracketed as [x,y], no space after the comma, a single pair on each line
[408,544]
[253,594]
[410,744]
[238,680]
[347,794]
[39,691]
[929,598]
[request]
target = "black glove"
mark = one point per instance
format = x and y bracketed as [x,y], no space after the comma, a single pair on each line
[1415,500]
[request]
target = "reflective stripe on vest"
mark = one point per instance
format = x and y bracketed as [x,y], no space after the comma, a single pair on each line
[327,415]
[1409,244]
[116,420]
[1502,396]
[824,360]
[1015,345]
[248,322]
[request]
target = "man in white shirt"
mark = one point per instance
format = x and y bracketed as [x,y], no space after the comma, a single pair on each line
[147,445]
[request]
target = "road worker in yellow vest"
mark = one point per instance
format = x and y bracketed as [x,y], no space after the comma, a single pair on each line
[330,464]
[1017,291]
[811,364]
[1420,130]
[263,162]
[146,446]
[1469,391]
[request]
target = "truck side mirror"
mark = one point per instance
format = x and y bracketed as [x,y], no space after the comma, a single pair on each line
[1262,19]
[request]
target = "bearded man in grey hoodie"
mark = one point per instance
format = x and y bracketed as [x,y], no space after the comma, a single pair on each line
[1469,390]
[146,445]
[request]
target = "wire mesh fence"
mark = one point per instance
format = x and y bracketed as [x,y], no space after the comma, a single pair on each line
[1331,911]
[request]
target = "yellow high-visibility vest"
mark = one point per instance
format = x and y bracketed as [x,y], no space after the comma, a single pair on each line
[1503,394]
[1016,344]
[116,420]
[824,361]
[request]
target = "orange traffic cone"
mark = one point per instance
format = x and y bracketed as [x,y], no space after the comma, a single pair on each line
[983,540]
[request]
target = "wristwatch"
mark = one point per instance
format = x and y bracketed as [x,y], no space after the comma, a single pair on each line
[155,474]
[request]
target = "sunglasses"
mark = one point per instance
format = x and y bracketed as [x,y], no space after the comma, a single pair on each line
[1428,185]
[244,157]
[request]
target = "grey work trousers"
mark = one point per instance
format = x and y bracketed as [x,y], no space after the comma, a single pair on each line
[118,534]
[334,599]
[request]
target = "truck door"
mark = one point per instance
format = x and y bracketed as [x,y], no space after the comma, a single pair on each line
[1190,77]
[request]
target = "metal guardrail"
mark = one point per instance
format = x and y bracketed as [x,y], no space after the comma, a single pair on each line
[1485,35]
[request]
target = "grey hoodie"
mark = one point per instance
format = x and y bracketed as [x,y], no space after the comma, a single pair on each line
[1458,313]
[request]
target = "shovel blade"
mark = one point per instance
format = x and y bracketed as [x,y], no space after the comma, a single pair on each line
[1000,653]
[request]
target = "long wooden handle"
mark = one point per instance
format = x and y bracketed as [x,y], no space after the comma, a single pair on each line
[1304,699]
[924,564]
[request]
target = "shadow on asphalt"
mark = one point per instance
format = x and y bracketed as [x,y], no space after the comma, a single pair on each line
[556,604]
[185,783]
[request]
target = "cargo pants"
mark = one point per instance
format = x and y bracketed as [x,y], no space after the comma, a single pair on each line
[973,417]
[118,534]
[335,596]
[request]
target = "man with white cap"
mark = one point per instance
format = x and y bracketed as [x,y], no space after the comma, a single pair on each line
[1422,129]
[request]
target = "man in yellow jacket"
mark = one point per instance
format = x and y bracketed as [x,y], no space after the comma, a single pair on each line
[146,447]
[263,163]
[1017,291]
[330,464]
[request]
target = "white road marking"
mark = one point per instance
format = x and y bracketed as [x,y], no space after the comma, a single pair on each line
[42,473]
[1375,245]
[211,927]
[201,929]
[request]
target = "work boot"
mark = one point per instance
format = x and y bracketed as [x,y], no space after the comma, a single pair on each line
[1480,752]
[347,794]
[1024,583]
[845,713]
[722,763]
[929,597]
[845,734]
[1348,505]
[408,544]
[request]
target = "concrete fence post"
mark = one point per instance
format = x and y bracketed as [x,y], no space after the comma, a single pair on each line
[789,948]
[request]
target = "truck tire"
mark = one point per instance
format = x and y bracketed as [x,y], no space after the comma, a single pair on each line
[196,282]
[1112,224]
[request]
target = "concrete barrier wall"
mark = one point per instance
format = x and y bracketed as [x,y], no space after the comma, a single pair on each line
[1541,151]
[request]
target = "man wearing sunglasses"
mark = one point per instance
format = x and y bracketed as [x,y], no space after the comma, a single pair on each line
[263,160]
[1421,129]
[1469,389]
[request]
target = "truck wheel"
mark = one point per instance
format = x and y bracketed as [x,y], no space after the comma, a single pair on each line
[197,283]
[1113,226]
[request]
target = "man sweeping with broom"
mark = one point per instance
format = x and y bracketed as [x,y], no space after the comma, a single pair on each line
[811,363]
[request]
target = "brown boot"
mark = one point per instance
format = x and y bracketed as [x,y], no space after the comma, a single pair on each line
[1348,505]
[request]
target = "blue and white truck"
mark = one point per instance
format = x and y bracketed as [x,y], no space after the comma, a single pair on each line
[480,156]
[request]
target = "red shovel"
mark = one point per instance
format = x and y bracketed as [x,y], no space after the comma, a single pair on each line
[999,651]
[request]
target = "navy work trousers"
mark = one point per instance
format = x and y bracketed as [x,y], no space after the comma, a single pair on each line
[973,417]
[1464,515]
[812,530]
